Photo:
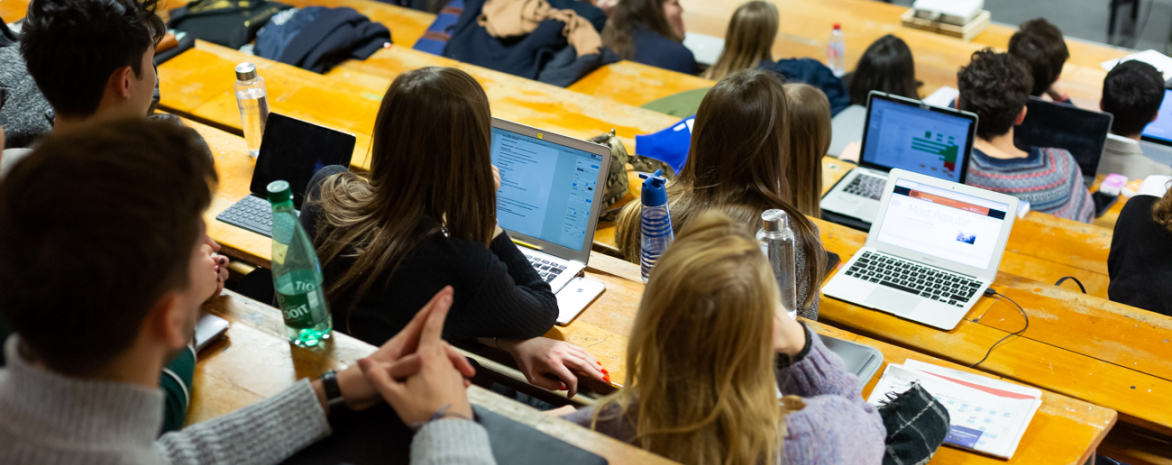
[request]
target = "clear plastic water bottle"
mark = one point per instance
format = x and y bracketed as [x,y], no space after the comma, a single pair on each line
[777,242]
[836,51]
[297,274]
[252,99]
[655,226]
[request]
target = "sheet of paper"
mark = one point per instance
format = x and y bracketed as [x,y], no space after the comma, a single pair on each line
[705,48]
[942,97]
[1162,62]
[1155,184]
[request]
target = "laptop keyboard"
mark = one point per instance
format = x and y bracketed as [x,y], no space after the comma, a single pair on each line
[927,282]
[548,269]
[252,213]
[866,186]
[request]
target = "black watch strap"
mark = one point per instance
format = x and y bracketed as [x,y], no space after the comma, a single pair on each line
[329,382]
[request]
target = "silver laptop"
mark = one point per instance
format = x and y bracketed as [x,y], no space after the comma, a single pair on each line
[906,134]
[550,196]
[932,251]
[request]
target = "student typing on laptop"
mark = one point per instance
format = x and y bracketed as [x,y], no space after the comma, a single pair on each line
[1134,92]
[996,86]
[425,218]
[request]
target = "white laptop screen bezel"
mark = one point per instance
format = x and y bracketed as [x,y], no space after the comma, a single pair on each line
[1003,238]
[557,250]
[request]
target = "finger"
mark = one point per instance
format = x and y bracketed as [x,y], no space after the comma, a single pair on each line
[460,361]
[570,381]
[381,379]
[467,383]
[585,367]
[408,339]
[406,367]
[546,383]
[433,329]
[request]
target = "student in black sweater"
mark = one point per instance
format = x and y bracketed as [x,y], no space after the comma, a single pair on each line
[1140,264]
[425,218]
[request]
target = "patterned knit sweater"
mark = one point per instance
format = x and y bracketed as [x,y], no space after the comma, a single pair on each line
[836,427]
[1049,179]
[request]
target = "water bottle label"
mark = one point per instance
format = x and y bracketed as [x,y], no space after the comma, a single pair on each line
[304,306]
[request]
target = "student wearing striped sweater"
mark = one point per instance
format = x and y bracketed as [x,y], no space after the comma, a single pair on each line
[996,86]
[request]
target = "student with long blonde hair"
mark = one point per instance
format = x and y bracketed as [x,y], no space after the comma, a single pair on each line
[749,39]
[809,137]
[425,218]
[738,164]
[710,351]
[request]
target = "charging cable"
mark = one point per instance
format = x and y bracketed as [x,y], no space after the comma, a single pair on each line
[992,292]
[1076,281]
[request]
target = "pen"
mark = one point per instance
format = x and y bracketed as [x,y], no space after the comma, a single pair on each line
[526,244]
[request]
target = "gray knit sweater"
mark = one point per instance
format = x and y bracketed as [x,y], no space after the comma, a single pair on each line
[46,418]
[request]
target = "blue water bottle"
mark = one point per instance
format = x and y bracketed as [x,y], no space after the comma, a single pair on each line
[656,224]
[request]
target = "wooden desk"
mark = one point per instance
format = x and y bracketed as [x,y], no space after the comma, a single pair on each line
[636,84]
[13,10]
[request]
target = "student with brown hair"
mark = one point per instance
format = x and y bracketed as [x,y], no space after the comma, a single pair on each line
[1041,45]
[710,351]
[425,218]
[749,40]
[1139,264]
[887,66]
[738,163]
[650,32]
[809,137]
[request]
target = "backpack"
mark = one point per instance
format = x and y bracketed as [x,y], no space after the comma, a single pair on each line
[617,183]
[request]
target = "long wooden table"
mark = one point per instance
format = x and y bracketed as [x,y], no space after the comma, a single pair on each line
[1055,365]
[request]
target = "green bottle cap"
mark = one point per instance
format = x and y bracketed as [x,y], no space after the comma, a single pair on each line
[279,192]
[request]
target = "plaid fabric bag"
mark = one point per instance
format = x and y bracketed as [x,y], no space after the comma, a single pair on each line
[916,426]
[617,183]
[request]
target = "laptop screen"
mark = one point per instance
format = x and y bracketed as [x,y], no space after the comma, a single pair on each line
[1161,128]
[1080,132]
[293,150]
[942,223]
[547,189]
[920,140]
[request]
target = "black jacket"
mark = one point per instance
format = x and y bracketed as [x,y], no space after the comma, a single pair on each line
[1140,264]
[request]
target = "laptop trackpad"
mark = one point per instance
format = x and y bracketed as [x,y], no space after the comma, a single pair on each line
[899,303]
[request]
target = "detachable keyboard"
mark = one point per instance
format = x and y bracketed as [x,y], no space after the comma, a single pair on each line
[252,213]
[924,281]
[866,186]
[548,269]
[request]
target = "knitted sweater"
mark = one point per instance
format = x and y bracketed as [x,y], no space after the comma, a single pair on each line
[49,418]
[1049,179]
[837,426]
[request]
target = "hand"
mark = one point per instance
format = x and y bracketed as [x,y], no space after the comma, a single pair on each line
[789,336]
[437,384]
[1056,93]
[399,354]
[851,152]
[496,177]
[221,265]
[541,355]
[561,411]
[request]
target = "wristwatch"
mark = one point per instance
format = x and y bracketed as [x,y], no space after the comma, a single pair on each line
[329,382]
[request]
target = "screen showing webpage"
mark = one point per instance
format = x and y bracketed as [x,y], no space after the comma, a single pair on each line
[547,190]
[942,223]
[1161,128]
[916,139]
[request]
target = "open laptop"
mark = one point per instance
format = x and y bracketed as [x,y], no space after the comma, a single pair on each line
[550,198]
[1156,139]
[1083,133]
[291,150]
[932,251]
[906,134]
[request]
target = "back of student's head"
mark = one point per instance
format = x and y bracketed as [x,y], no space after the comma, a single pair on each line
[995,86]
[809,123]
[749,40]
[1132,92]
[1041,45]
[430,158]
[700,357]
[73,46]
[886,66]
[96,226]
[628,15]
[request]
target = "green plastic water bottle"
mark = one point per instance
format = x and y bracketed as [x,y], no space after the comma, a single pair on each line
[297,274]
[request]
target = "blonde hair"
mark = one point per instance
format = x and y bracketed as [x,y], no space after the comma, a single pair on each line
[700,360]
[1162,211]
[749,39]
[809,140]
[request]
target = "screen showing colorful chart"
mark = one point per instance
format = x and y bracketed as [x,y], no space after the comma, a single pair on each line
[916,139]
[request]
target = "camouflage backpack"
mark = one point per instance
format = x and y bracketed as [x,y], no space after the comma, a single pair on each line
[617,184]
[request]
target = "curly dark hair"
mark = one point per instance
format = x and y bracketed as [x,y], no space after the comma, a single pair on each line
[1133,92]
[995,86]
[1041,45]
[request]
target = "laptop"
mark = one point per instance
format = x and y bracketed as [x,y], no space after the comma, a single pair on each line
[906,134]
[550,198]
[846,127]
[1083,133]
[1156,139]
[932,251]
[291,150]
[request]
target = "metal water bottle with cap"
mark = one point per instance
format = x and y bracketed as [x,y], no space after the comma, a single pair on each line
[655,226]
[297,274]
[252,99]
[777,242]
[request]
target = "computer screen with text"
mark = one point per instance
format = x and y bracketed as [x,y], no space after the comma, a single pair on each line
[942,223]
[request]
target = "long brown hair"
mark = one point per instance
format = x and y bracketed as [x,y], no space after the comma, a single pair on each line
[749,40]
[809,140]
[737,164]
[1162,211]
[430,161]
[618,34]
[700,358]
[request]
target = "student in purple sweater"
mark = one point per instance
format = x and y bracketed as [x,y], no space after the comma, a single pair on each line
[709,354]
[996,86]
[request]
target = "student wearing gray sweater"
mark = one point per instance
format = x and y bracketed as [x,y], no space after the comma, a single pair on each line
[104,266]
